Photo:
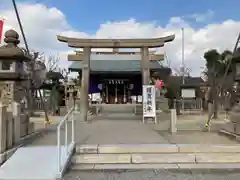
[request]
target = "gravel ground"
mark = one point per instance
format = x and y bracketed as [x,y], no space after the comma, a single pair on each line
[152,175]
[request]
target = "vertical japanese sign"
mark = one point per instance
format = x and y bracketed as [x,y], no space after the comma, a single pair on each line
[149,101]
[1,29]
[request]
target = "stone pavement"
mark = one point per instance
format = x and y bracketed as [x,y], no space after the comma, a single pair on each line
[196,137]
[193,123]
[152,175]
[106,132]
[130,132]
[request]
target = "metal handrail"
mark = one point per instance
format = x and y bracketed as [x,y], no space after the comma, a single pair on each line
[66,146]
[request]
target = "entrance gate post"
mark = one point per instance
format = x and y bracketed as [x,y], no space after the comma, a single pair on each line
[85,83]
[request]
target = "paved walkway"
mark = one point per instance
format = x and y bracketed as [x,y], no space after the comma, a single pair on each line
[152,175]
[120,131]
[129,132]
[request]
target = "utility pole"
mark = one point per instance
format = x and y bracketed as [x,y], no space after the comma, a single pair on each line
[182,68]
[183,63]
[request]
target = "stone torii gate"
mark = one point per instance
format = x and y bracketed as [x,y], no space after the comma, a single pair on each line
[87,44]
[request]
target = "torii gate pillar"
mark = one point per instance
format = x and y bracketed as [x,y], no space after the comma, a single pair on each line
[84,104]
[145,65]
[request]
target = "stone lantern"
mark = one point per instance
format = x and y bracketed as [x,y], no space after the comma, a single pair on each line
[70,96]
[12,68]
[13,122]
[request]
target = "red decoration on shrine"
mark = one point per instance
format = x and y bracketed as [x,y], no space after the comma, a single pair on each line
[1,29]
[159,83]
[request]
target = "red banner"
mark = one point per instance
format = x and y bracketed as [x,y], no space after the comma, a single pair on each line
[1,29]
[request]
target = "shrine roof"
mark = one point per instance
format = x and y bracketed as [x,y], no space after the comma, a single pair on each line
[114,65]
[189,81]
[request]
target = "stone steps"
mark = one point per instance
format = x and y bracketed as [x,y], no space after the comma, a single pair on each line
[119,116]
[156,156]
[209,166]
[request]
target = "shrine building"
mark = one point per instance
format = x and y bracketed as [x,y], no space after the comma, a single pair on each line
[117,76]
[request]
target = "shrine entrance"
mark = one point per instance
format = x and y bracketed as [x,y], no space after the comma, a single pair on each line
[85,56]
[116,91]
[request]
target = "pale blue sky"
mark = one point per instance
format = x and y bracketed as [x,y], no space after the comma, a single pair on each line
[87,15]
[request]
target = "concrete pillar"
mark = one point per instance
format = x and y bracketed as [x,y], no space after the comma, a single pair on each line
[85,83]
[173,121]
[3,128]
[145,65]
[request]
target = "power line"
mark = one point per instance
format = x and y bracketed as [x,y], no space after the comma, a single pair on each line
[20,25]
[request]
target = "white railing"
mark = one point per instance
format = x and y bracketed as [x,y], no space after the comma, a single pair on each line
[65,151]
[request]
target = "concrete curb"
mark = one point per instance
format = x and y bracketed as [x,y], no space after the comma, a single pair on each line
[170,167]
[155,148]
[157,156]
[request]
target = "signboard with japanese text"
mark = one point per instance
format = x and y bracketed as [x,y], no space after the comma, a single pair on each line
[188,93]
[149,101]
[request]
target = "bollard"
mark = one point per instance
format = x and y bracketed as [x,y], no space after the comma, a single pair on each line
[173,121]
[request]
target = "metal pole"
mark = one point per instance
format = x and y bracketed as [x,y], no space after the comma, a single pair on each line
[116,95]
[106,100]
[20,25]
[124,93]
[183,63]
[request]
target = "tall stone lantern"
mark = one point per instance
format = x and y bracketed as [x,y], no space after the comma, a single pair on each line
[12,68]
[12,75]
[69,94]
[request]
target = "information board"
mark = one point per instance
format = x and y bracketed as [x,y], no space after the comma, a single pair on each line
[188,93]
[149,102]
